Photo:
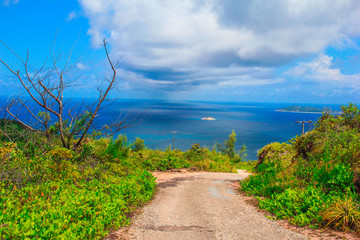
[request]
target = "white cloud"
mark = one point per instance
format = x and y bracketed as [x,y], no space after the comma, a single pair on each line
[320,69]
[81,66]
[174,32]
[10,2]
[245,81]
[213,36]
[72,15]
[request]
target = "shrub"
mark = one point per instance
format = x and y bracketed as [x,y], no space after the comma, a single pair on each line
[42,198]
[138,145]
[229,145]
[302,207]
[15,131]
[334,177]
[281,154]
[266,182]
[86,151]
[314,180]
[311,142]
[86,192]
[195,153]
[59,154]
[240,156]
[351,115]
[196,158]
[118,148]
[343,215]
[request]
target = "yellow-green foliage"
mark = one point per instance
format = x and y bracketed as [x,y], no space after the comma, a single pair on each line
[138,145]
[13,129]
[315,180]
[343,215]
[60,154]
[55,196]
[310,143]
[281,154]
[247,165]
[53,192]
[7,151]
[196,158]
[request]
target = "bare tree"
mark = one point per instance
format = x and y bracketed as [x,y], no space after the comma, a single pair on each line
[43,100]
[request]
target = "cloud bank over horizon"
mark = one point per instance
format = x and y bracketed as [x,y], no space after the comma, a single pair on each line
[187,45]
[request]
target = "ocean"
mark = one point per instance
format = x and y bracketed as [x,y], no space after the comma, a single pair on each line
[255,124]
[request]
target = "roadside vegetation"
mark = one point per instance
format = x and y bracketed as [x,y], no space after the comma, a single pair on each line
[59,177]
[313,179]
[49,191]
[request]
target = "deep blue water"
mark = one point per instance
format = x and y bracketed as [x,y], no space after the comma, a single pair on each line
[255,124]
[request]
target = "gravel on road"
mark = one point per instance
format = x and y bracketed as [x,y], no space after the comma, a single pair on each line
[202,205]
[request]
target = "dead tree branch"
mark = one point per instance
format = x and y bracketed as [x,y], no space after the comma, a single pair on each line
[45,88]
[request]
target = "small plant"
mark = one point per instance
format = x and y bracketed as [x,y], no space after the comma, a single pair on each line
[59,154]
[138,145]
[118,148]
[343,215]
[195,153]
[302,207]
[228,147]
[86,151]
[334,177]
[351,115]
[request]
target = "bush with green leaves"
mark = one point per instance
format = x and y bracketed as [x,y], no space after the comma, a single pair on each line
[300,206]
[229,149]
[48,191]
[55,195]
[118,148]
[306,179]
[138,145]
[196,158]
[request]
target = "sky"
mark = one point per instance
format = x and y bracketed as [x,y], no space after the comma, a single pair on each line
[293,51]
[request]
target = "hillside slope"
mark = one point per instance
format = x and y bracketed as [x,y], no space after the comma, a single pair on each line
[314,178]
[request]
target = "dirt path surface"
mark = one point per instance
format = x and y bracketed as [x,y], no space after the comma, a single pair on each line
[202,205]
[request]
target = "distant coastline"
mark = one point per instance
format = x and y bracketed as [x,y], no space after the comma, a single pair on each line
[299,109]
[278,110]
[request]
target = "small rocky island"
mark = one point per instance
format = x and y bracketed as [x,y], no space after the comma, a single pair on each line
[208,118]
[299,109]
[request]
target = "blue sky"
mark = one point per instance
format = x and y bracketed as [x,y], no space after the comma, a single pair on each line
[213,50]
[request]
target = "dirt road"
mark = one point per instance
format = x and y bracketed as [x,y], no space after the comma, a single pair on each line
[200,206]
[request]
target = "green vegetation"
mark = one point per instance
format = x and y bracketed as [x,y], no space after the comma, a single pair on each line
[300,109]
[248,165]
[314,179]
[228,148]
[12,130]
[48,191]
[67,194]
